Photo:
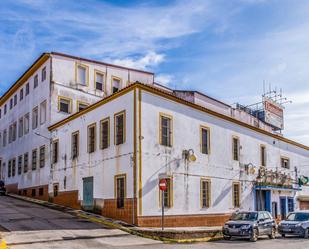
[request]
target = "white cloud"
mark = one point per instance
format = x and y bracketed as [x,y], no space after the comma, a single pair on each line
[164,79]
[147,61]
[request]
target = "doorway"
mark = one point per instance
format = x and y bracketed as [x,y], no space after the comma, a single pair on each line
[88,193]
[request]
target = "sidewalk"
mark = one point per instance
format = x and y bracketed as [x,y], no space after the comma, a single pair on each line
[168,235]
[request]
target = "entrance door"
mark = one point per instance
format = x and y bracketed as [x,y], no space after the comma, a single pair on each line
[283,207]
[88,193]
[274,209]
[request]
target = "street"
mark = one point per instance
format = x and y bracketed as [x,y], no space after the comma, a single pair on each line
[27,225]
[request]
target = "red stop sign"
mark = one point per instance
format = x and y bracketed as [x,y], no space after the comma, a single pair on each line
[163,184]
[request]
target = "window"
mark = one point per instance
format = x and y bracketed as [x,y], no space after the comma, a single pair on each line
[116,82]
[20,162]
[11,104]
[235,148]
[35,81]
[10,133]
[81,105]
[99,81]
[34,159]
[5,109]
[15,99]
[168,193]
[43,76]
[75,144]
[26,162]
[65,105]
[55,151]
[56,189]
[205,193]
[290,204]
[35,117]
[0,113]
[25,192]
[21,94]
[43,112]
[263,155]
[120,181]
[82,75]
[27,89]
[285,162]
[205,140]
[4,138]
[33,192]
[166,130]
[91,138]
[41,191]
[120,124]
[26,123]
[9,168]
[13,167]
[104,131]
[236,194]
[14,131]
[42,156]
[20,127]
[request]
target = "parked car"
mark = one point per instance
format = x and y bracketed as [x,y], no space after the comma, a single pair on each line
[296,223]
[250,225]
[2,188]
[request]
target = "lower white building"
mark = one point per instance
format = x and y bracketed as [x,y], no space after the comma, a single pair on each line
[110,156]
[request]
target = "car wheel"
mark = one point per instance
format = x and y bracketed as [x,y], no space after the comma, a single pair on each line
[273,233]
[254,235]
[227,237]
[283,235]
[306,235]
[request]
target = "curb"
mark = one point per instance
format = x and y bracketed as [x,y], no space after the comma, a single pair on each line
[109,222]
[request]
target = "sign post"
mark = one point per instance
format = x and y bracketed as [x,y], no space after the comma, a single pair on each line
[163,187]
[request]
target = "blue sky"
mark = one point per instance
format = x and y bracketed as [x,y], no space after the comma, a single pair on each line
[225,49]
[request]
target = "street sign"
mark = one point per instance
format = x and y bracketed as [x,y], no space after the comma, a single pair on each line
[163,184]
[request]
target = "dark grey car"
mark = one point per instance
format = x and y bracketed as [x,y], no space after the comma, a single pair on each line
[250,225]
[296,223]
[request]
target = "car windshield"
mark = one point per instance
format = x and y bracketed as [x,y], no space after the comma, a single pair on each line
[244,216]
[298,217]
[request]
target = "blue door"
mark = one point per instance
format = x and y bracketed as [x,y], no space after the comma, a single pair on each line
[283,205]
[88,193]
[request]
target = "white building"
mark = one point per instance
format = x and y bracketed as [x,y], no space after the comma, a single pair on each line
[130,140]
[110,156]
[54,87]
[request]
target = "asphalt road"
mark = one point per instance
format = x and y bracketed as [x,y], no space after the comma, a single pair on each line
[26,225]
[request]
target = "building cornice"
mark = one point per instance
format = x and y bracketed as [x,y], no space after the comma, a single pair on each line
[26,75]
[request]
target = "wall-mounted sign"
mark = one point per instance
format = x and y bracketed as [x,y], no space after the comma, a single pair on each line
[273,113]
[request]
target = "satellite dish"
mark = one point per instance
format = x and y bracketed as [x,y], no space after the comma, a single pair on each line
[192,158]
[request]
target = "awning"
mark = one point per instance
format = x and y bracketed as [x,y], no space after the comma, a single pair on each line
[276,188]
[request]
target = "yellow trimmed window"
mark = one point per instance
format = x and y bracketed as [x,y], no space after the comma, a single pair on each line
[166,130]
[205,193]
[236,194]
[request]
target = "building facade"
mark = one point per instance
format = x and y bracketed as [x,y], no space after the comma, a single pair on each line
[53,88]
[89,135]
[214,164]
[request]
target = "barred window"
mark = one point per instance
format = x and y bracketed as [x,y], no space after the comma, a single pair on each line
[235,148]
[55,151]
[26,162]
[75,144]
[42,156]
[20,162]
[34,159]
[105,133]
[168,194]
[91,138]
[205,193]
[119,128]
[205,140]
[120,190]
[236,194]
[13,167]
[166,130]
